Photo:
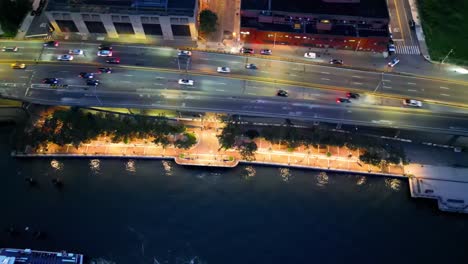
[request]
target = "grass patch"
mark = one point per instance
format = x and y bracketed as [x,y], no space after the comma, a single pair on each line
[12,14]
[10,103]
[445,27]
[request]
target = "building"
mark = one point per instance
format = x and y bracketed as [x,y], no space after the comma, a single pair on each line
[111,19]
[341,24]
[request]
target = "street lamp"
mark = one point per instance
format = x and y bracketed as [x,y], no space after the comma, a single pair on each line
[448,54]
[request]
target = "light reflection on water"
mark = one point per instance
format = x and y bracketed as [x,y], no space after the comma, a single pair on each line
[361,180]
[249,172]
[285,174]
[130,166]
[167,165]
[322,179]
[57,165]
[393,184]
[95,166]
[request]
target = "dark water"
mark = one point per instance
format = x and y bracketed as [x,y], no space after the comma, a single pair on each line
[133,211]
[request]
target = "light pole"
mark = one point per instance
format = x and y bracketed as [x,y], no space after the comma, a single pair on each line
[448,54]
[274,40]
[357,45]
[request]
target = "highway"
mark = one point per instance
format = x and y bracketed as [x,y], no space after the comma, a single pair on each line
[316,76]
[139,86]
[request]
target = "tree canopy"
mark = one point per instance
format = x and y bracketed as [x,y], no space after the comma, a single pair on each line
[208,21]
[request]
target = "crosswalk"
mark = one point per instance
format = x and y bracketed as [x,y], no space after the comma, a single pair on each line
[404,49]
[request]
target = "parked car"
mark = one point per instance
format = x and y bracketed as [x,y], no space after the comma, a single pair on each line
[310,55]
[412,24]
[393,62]
[65,57]
[224,69]
[265,52]
[412,102]
[282,93]
[104,53]
[186,82]
[247,51]
[75,52]
[336,61]
[104,70]
[51,43]
[10,49]
[251,66]
[50,80]
[86,75]
[343,100]
[105,47]
[18,65]
[113,60]
[184,53]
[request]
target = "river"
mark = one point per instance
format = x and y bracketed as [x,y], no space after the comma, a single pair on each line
[136,211]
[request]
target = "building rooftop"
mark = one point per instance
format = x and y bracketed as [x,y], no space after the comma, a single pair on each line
[365,8]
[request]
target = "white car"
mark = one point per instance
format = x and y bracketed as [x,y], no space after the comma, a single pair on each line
[104,53]
[186,82]
[412,102]
[310,55]
[394,62]
[75,52]
[184,53]
[10,49]
[65,57]
[224,69]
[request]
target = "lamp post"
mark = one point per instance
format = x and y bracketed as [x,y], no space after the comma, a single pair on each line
[274,40]
[448,54]
[357,46]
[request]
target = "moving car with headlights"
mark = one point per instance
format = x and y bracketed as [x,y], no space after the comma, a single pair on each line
[342,100]
[247,51]
[10,49]
[105,47]
[282,93]
[251,66]
[104,70]
[113,60]
[75,52]
[224,69]
[65,57]
[336,61]
[265,52]
[184,53]
[92,82]
[412,103]
[353,95]
[393,62]
[50,80]
[51,43]
[104,53]
[391,49]
[186,82]
[18,65]
[310,55]
[86,75]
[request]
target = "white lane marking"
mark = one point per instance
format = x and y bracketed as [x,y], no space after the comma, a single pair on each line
[411,90]
[294,75]
[325,72]
[386,80]
[158,77]
[159,84]
[24,77]
[265,71]
[128,75]
[64,71]
[126,81]
[221,83]
[445,94]
[355,76]
[445,88]
[296,69]
[252,93]
[255,87]
[325,79]
[357,83]
[219,90]
[411,83]
[387,87]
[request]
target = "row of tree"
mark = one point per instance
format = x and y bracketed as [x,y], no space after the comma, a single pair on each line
[240,136]
[75,126]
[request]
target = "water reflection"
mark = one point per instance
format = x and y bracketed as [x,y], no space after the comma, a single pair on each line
[167,167]
[322,179]
[57,165]
[361,180]
[394,184]
[130,166]
[248,172]
[95,165]
[285,174]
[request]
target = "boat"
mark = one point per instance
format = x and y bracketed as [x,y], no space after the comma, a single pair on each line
[13,255]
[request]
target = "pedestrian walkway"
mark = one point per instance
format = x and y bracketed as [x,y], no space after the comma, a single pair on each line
[407,49]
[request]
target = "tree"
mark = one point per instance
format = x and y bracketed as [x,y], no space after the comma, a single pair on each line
[247,150]
[188,141]
[208,21]
[252,133]
[371,157]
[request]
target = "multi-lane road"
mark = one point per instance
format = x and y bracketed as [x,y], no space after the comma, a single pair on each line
[136,83]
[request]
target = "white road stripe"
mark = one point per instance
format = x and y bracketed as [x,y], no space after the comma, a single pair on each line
[221,83]
[387,87]
[411,83]
[158,84]
[294,75]
[219,90]
[24,77]
[445,94]
[355,76]
[357,83]
[445,88]
[411,90]
[128,75]
[252,93]
[325,79]
[325,72]
[386,80]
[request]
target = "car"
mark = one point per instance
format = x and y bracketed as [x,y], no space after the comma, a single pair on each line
[391,49]
[10,49]
[342,100]
[251,66]
[265,52]
[184,53]
[104,70]
[393,62]
[247,51]
[412,102]
[282,93]
[353,95]
[65,57]
[51,43]
[310,55]
[75,52]
[224,69]
[412,24]
[105,47]
[104,53]
[50,80]
[336,61]
[113,60]
[92,82]
[186,82]
[86,75]
[18,65]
